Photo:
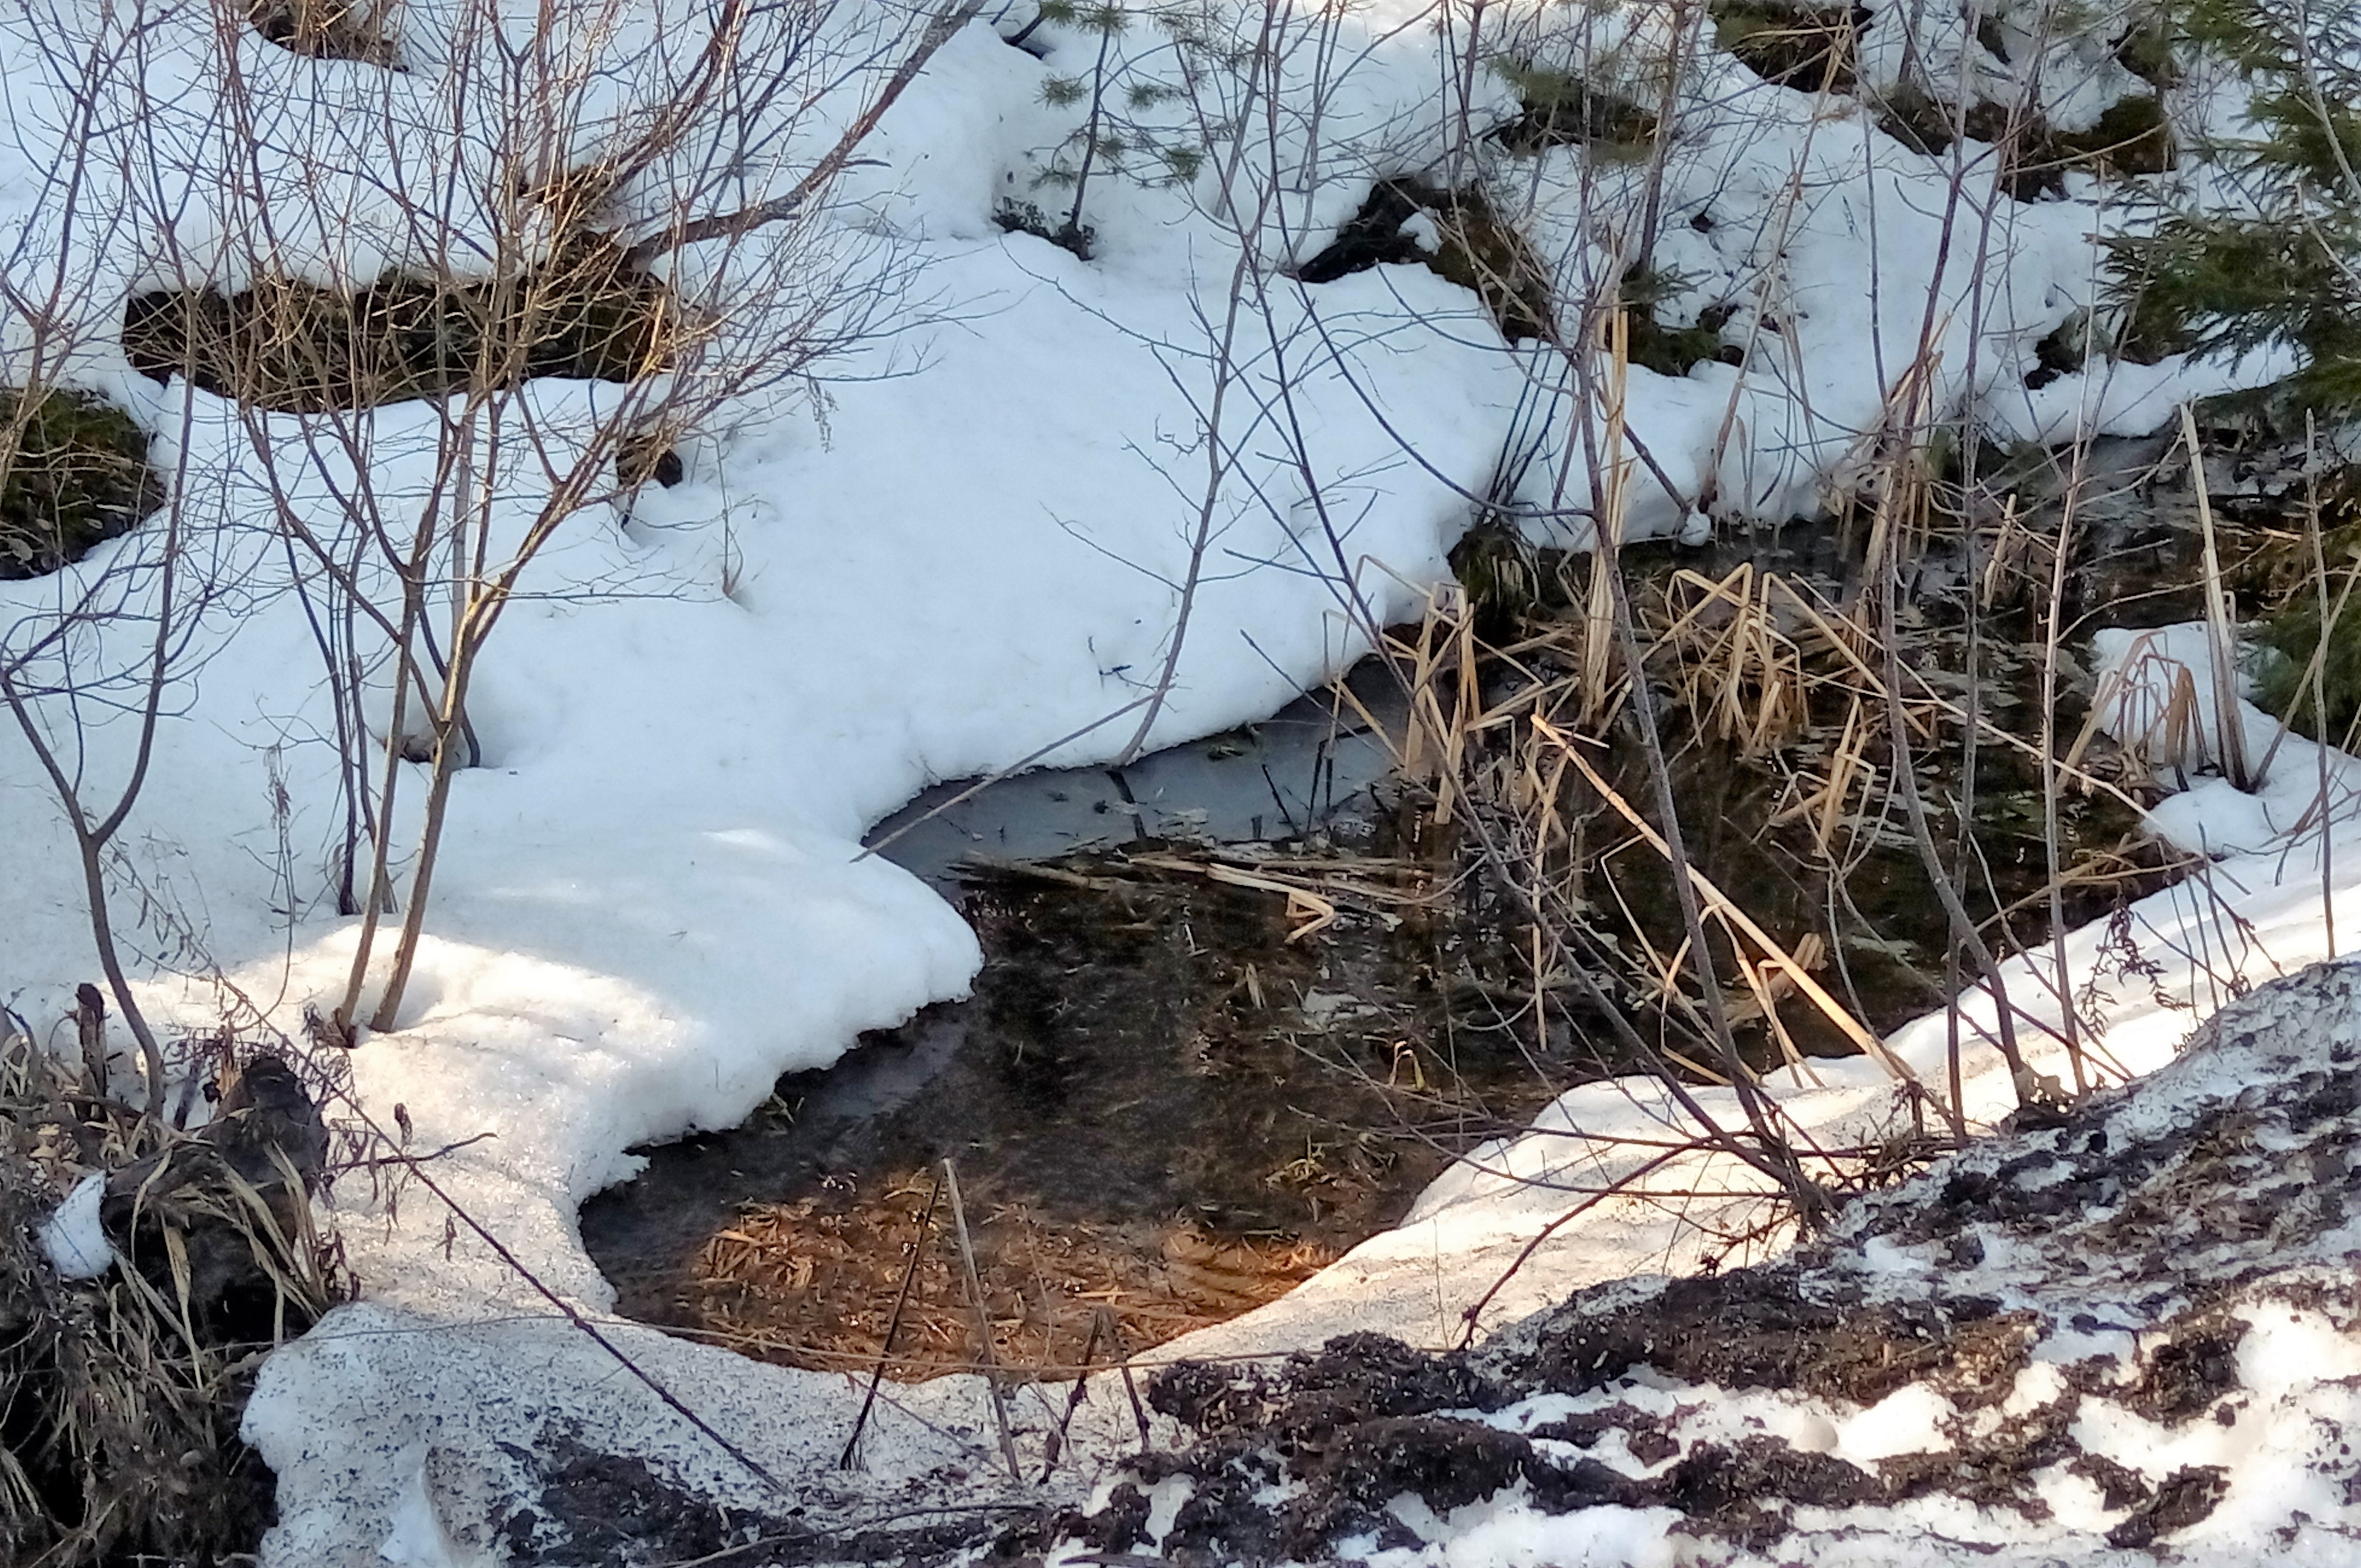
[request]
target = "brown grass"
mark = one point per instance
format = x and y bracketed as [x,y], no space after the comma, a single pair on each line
[120,1439]
[813,1283]
[282,344]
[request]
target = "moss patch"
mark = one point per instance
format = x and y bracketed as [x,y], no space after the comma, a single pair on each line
[586,316]
[1561,109]
[74,471]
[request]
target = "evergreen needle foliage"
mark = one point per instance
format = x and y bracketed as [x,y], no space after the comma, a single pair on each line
[2287,270]
[1122,131]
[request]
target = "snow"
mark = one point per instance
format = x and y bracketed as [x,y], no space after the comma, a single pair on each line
[70,1237]
[652,899]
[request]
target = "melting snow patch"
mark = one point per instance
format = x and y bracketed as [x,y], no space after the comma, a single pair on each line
[76,1245]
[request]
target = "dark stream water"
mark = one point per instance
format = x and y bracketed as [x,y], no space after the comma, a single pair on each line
[1166,1103]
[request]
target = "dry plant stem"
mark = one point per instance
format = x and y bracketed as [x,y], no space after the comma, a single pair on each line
[1906,780]
[1471,1317]
[1021,765]
[999,1399]
[1217,464]
[2230,728]
[438,802]
[416,1166]
[381,847]
[1728,909]
[91,839]
[1609,478]
[2318,678]
[893,1326]
[1101,1320]
[2067,1012]
[1678,23]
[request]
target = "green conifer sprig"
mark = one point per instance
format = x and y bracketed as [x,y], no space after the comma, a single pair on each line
[2288,269]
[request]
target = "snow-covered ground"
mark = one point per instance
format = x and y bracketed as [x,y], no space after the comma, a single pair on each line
[972,547]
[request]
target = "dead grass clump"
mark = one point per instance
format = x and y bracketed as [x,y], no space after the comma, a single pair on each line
[124,1394]
[326,29]
[2133,138]
[1809,47]
[73,473]
[1734,663]
[588,314]
[815,1283]
[1476,249]
[1561,109]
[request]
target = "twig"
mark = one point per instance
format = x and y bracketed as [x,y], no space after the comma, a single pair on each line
[983,1325]
[893,1324]
[1836,1012]
[1099,1318]
[572,1314]
[2229,725]
[729,226]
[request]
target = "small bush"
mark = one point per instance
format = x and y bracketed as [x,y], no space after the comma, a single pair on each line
[75,473]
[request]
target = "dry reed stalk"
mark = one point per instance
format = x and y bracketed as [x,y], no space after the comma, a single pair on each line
[1597,660]
[1746,651]
[1835,1010]
[2229,724]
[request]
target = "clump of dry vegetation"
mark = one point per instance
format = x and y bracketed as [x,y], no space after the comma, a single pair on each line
[820,1282]
[587,313]
[123,1393]
[327,29]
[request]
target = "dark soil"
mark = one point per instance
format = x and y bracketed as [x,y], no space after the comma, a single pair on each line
[1480,250]
[1806,46]
[1760,1329]
[2113,1217]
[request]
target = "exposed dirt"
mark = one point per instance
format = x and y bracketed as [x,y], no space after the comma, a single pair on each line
[2112,1218]
[1764,1329]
